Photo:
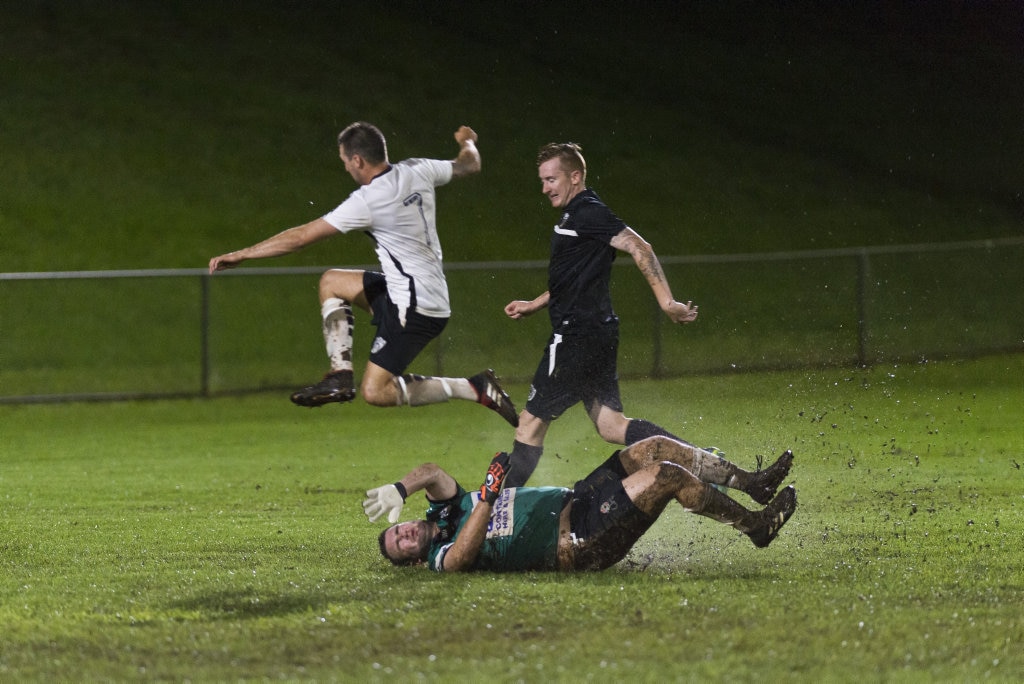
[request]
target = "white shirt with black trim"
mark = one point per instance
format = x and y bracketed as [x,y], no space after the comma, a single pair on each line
[397,209]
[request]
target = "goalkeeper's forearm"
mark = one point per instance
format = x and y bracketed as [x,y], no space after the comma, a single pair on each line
[471,537]
[432,479]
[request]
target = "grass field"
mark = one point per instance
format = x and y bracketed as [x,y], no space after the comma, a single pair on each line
[223,540]
[215,540]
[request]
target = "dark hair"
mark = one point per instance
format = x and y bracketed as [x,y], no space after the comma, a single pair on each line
[383,548]
[366,140]
[569,154]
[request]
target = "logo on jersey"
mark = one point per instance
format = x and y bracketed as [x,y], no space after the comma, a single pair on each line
[560,230]
[608,506]
[378,344]
[502,522]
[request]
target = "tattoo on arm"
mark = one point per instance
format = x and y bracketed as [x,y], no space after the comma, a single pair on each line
[651,267]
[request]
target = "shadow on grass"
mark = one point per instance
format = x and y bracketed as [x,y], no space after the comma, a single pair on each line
[249,604]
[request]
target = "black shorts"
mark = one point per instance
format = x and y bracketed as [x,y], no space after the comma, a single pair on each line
[395,345]
[576,367]
[604,521]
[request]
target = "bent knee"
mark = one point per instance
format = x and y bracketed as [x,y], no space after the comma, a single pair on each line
[376,394]
[343,284]
[531,429]
[675,476]
[660,444]
[329,279]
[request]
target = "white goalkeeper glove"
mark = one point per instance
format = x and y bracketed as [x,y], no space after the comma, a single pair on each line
[388,499]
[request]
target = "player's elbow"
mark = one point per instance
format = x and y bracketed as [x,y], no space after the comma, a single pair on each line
[462,170]
[632,243]
[640,249]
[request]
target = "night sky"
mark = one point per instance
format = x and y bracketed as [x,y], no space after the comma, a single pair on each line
[755,125]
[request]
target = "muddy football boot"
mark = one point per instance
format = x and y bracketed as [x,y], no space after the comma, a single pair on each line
[773,517]
[336,387]
[763,483]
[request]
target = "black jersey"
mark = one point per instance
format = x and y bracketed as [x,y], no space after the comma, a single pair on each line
[580,268]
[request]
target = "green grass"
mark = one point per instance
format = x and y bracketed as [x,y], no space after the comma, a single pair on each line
[223,540]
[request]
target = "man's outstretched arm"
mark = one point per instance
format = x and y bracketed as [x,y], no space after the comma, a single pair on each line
[285,242]
[629,241]
[389,499]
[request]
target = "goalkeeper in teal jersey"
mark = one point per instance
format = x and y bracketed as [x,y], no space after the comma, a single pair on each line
[589,527]
[522,533]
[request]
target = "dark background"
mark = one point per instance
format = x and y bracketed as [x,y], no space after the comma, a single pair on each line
[157,134]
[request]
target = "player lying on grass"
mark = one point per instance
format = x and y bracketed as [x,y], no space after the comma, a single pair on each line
[589,527]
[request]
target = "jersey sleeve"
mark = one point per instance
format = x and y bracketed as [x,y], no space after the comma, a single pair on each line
[436,171]
[596,221]
[436,509]
[449,516]
[352,214]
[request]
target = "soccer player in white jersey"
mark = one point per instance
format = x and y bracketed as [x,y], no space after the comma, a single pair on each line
[408,298]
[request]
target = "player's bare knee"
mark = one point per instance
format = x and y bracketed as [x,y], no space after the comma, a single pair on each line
[378,399]
[379,395]
[329,285]
[531,429]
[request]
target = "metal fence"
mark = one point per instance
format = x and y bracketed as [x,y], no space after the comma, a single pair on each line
[98,335]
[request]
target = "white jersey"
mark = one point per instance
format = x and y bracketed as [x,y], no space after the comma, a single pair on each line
[397,210]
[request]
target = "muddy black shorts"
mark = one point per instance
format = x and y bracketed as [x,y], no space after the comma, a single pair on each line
[395,346]
[604,522]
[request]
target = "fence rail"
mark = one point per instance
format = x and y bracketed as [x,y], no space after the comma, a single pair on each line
[98,335]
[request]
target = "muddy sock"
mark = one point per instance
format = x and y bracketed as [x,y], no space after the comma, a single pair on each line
[718,506]
[639,429]
[337,326]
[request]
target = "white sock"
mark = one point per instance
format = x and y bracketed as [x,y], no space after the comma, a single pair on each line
[419,390]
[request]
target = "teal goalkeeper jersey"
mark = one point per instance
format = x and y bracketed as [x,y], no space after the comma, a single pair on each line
[522,534]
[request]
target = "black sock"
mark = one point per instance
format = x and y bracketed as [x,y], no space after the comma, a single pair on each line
[639,429]
[524,460]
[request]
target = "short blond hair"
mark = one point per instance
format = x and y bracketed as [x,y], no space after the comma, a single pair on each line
[569,155]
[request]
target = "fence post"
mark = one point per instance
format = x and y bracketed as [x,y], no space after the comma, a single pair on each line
[656,369]
[863,278]
[204,335]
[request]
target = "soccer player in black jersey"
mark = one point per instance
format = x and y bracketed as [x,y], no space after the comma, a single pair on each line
[579,363]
